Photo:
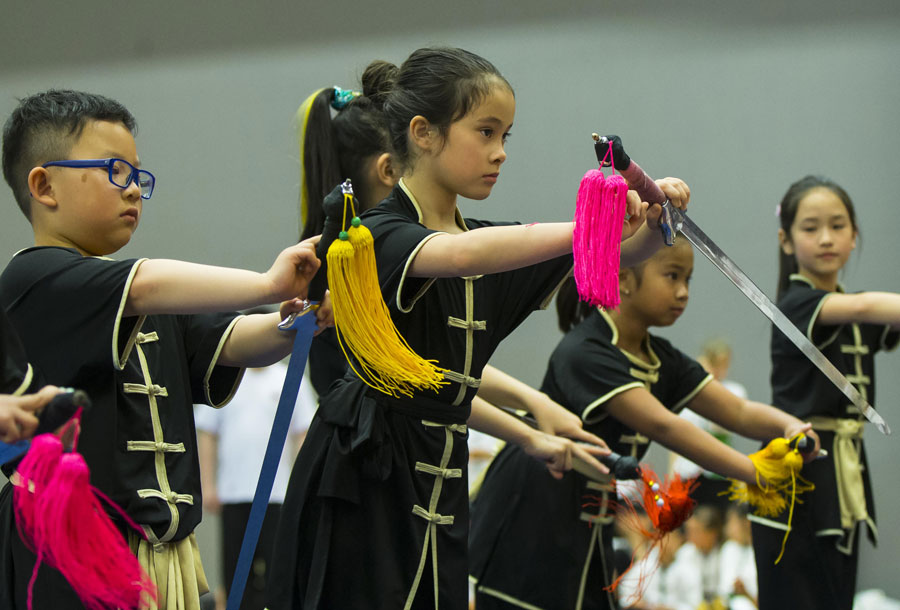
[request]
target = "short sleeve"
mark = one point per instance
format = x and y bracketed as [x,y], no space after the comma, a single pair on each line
[681,377]
[397,241]
[802,307]
[204,337]
[92,290]
[16,374]
[529,288]
[584,375]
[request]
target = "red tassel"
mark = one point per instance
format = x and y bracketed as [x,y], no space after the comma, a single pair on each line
[61,519]
[596,241]
[668,505]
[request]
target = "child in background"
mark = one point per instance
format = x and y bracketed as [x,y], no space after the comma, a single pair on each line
[818,232]
[379,489]
[627,385]
[703,533]
[737,567]
[229,477]
[715,358]
[141,337]
[656,582]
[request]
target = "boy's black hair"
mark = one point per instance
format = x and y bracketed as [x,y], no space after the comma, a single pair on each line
[787,211]
[441,84]
[45,126]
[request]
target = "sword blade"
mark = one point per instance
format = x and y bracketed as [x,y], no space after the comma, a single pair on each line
[723,262]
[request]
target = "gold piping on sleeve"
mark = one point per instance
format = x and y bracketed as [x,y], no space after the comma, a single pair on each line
[586,416]
[812,321]
[212,365]
[681,403]
[883,341]
[424,288]
[549,298]
[119,360]
[26,381]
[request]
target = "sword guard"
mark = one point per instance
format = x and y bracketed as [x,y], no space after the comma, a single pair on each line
[670,222]
[288,322]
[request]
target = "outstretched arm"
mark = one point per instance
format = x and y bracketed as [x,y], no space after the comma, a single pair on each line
[871,307]
[257,341]
[555,451]
[498,388]
[640,410]
[749,418]
[162,286]
[491,249]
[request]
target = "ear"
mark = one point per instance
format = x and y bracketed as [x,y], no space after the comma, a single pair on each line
[385,172]
[41,188]
[627,284]
[786,246]
[855,235]
[422,134]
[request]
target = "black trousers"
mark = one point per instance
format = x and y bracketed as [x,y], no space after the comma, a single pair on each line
[811,574]
[234,523]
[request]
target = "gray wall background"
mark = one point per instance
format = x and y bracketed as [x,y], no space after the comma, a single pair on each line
[737,98]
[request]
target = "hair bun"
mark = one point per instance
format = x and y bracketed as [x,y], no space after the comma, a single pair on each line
[378,81]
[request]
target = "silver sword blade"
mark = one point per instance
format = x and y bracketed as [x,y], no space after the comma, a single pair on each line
[674,220]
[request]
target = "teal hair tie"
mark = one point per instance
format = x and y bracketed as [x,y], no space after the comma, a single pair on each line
[342,97]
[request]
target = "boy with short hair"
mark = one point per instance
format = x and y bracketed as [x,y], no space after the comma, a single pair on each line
[104,326]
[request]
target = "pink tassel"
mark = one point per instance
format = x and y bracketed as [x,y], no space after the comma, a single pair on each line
[596,241]
[63,522]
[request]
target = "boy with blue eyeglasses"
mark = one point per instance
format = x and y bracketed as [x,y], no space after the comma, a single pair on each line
[142,337]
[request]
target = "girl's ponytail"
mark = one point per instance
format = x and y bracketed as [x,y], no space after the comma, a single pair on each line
[319,163]
[570,309]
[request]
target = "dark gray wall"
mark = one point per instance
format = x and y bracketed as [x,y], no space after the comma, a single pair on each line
[739,100]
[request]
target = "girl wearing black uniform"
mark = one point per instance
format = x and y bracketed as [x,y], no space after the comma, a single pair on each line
[376,513]
[536,542]
[818,232]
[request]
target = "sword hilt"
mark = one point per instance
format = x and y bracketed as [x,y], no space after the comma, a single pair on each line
[672,218]
[60,409]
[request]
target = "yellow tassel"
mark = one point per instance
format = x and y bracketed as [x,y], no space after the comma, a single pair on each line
[777,467]
[363,321]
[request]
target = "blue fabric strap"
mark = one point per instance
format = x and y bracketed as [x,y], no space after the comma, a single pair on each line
[10,451]
[305,325]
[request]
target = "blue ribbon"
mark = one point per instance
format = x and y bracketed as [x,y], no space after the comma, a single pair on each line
[10,451]
[305,325]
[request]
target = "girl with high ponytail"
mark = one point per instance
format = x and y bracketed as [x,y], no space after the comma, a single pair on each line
[377,510]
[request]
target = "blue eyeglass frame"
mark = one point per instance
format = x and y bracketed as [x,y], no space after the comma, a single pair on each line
[135,175]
